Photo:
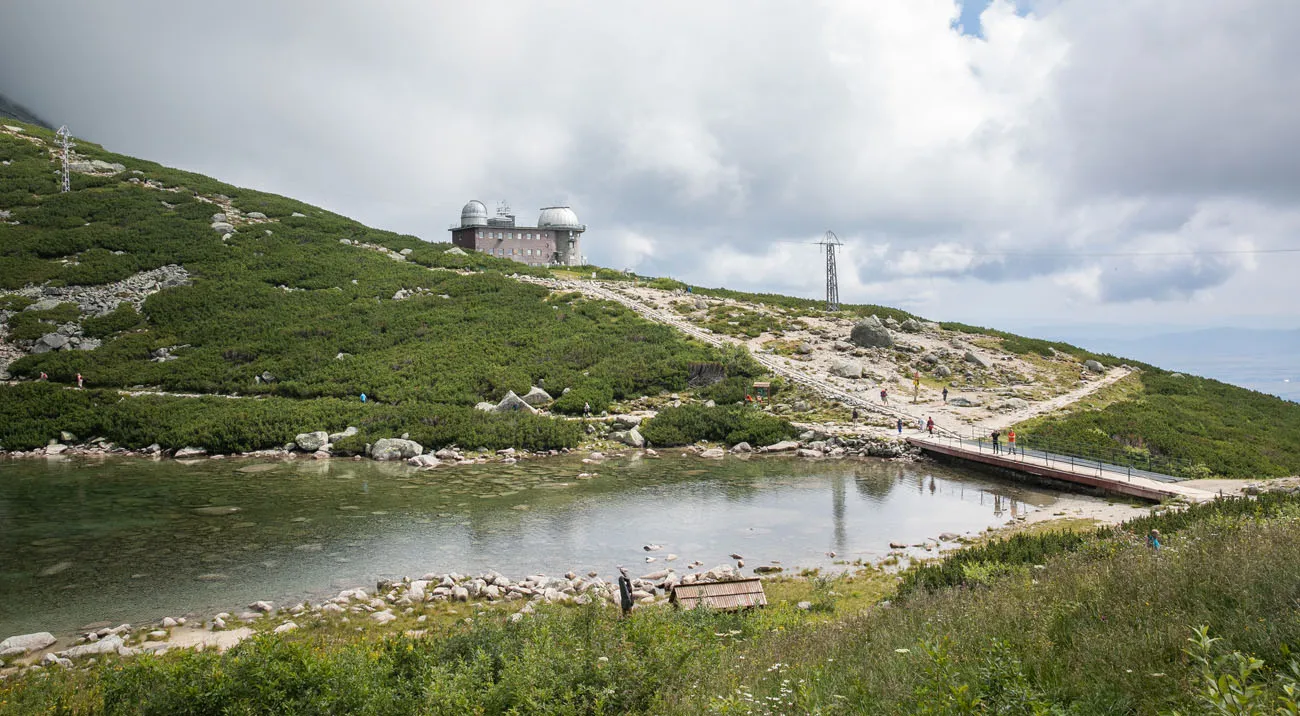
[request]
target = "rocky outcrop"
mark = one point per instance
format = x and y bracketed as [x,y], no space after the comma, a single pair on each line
[973,359]
[455,251]
[513,403]
[536,396]
[871,333]
[911,325]
[395,449]
[1094,366]
[98,300]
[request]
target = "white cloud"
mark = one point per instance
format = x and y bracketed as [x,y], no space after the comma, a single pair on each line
[694,138]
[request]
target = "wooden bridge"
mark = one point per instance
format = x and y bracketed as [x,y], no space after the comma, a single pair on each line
[1084,472]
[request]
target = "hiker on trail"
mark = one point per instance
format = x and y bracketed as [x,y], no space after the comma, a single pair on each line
[44,376]
[884,396]
[996,447]
[1153,540]
[929,425]
[945,395]
[363,397]
[586,410]
[1011,441]
[855,415]
[79,381]
[900,426]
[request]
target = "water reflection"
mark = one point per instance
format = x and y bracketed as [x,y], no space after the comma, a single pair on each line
[132,539]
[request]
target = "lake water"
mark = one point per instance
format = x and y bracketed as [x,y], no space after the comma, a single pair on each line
[134,540]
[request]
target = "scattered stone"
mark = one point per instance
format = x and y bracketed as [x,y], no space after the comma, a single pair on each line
[631,438]
[512,403]
[384,617]
[846,368]
[741,448]
[805,606]
[970,357]
[262,606]
[455,251]
[190,452]
[714,454]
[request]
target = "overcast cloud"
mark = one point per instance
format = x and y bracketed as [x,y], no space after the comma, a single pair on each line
[974,175]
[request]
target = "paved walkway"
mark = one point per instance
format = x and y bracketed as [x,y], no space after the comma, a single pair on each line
[1088,473]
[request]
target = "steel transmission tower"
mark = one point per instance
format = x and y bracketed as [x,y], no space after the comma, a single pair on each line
[828,244]
[66,141]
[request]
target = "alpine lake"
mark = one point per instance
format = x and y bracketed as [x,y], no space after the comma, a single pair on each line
[117,539]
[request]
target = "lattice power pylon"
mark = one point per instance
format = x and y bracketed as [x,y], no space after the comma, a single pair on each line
[828,244]
[66,141]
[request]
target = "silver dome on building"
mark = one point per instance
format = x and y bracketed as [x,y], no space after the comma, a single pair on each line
[475,213]
[559,217]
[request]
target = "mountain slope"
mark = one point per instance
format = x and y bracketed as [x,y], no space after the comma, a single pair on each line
[147,279]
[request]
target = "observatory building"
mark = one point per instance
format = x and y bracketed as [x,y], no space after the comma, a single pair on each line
[555,241]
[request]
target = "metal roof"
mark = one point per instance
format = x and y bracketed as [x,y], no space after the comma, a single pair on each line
[727,596]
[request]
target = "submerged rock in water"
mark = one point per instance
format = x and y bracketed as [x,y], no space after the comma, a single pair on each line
[216,511]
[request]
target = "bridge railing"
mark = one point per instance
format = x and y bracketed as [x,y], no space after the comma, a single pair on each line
[1092,461]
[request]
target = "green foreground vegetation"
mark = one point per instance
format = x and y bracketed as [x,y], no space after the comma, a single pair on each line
[1037,624]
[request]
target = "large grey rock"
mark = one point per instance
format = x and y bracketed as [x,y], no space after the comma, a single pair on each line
[911,325]
[782,446]
[631,438]
[53,341]
[255,215]
[44,304]
[871,333]
[423,461]
[455,251]
[970,357]
[1094,366]
[512,403]
[313,441]
[25,643]
[347,433]
[537,396]
[485,406]
[942,371]
[222,227]
[395,449]
[190,452]
[107,645]
[963,402]
[89,344]
[846,368]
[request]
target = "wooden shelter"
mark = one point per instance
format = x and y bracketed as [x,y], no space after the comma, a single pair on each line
[763,390]
[725,596]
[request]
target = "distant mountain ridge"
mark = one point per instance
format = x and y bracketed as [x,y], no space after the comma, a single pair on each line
[10,109]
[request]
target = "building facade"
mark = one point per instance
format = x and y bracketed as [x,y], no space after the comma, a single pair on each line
[556,240]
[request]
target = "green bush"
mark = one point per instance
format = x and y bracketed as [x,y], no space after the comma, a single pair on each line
[122,318]
[1189,425]
[596,394]
[30,325]
[728,424]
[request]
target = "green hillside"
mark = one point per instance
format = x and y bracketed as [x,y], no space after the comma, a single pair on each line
[327,308]
[284,296]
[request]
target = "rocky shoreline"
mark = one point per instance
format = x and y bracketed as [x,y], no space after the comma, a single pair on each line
[621,434]
[389,601]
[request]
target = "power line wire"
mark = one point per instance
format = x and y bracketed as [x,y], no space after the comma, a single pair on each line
[1082,254]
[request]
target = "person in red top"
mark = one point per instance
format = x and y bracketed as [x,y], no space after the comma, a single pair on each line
[1011,441]
[884,395]
[79,384]
[929,425]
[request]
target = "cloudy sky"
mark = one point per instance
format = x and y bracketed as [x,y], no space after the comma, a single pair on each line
[1003,163]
